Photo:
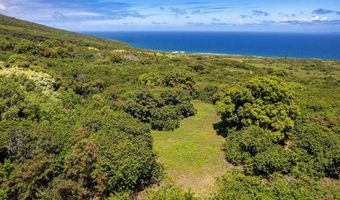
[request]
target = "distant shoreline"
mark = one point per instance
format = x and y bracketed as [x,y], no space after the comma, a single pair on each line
[260,45]
[238,55]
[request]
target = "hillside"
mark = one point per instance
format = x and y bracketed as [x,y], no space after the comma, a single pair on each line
[89,118]
[38,33]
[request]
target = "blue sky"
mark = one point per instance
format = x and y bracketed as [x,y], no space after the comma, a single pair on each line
[190,15]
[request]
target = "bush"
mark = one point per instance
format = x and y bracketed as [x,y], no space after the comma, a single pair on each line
[11,94]
[27,47]
[170,193]
[89,87]
[255,141]
[180,78]
[208,94]
[274,159]
[186,109]
[235,185]
[19,60]
[3,195]
[150,79]
[244,144]
[199,68]
[165,118]
[120,196]
[321,146]
[255,148]
[69,149]
[116,58]
[6,46]
[265,102]
[104,153]
[162,112]
[63,52]
[50,53]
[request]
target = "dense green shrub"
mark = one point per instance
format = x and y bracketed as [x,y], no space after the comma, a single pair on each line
[162,112]
[19,60]
[277,72]
[170,193]
[27,47]
[10,94]
[265,102]
[242,145]
[259,116]
[319,148]
[64,52]
[235,185]
[274,159]
[89,87]
[56,49]
[180,78]
[3,195]
[6,46]
[116,58]
[49,52]
[20,98]
[186,109]
[150,79]
[14,95]
[96,158]
[261,148]
[82,153]
[255,148]
[208,94]
[165,118]
[120,196]
[199,68]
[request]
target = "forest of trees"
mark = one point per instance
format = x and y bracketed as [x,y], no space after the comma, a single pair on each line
[76,115]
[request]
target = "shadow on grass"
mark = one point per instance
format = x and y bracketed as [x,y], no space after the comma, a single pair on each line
[221,128]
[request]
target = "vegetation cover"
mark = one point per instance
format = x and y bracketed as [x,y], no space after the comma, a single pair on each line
[77,112]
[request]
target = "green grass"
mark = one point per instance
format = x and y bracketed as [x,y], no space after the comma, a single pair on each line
[192,154]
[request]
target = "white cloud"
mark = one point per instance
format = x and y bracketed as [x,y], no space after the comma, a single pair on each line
[314,18]
[2,7]
[81,13]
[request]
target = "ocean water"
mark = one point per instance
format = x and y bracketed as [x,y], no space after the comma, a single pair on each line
[296,45]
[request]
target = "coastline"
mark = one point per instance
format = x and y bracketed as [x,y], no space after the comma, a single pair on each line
[260,45]
[239,55]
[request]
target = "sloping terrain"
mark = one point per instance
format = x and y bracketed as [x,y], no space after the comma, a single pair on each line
[11,27]
[89,118]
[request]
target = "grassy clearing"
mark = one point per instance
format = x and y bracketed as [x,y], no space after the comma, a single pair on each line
[192,154]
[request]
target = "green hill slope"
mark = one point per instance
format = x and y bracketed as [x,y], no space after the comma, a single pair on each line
[11,28]
[77,113]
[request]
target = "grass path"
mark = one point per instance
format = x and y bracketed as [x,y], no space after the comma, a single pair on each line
[192,154]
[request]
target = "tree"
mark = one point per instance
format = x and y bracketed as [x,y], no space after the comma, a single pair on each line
[162,111]
[259,115]
[263,101]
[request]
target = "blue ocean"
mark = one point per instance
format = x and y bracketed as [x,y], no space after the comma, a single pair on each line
[295,45]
